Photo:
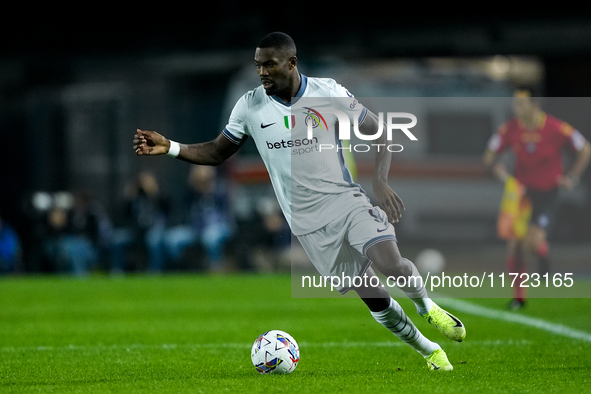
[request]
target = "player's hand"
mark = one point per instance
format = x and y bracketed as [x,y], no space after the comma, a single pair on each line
[389,201]
[500,172]
[149,143]
[567,182]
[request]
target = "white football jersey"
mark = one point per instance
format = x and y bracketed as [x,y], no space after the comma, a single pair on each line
[311,181]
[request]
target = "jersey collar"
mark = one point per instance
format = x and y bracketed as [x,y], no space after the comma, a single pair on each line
[300,93]
[540,122]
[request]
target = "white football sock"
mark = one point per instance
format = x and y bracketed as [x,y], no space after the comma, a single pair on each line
[395,320]
[423,305]
[416,291]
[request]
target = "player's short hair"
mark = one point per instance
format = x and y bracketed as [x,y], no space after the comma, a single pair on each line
[279,41]
[522,93]
[529,93]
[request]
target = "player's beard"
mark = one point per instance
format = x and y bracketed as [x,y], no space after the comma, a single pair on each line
[275,88]
[272,90]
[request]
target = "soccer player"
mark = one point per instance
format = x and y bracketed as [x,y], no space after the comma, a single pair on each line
[537,141]
[341,232]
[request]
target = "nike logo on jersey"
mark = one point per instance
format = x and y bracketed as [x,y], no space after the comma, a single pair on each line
[263,126]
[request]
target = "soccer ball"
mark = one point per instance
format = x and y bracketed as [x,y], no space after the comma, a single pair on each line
[275,352]
[430,260]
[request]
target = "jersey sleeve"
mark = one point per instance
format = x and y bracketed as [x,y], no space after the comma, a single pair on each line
[575,140]
[236,129]
[348,103]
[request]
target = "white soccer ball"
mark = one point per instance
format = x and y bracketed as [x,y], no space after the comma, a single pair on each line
[430,260]
[275,352]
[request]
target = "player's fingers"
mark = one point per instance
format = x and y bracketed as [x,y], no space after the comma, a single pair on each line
[394,204]
[397,215]
[400,203]
[145,133]
[141,149]
[392,212]
[389,212]
[398,206]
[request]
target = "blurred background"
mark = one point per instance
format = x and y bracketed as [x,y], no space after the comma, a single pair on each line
[74,90]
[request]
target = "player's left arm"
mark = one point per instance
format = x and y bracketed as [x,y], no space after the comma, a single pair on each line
[572,177]
[387,199]
[496,144]
[494,165]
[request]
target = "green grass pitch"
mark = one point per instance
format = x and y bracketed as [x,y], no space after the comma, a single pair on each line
[193,333]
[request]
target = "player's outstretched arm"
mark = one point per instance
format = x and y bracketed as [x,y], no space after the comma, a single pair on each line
[215,152]
[387,199]
[571,179]
[491,162]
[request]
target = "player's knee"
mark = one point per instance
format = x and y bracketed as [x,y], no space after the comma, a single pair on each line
[387,259]
[398,267]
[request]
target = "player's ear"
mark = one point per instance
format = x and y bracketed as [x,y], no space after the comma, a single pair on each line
[293,62]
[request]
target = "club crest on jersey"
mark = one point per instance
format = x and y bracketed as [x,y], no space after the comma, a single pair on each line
[530,147]
[315,118]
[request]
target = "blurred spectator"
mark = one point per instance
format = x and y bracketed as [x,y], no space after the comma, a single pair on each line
[76,230]
[273,253]
[89,229]
[263,238]
[10,248]
[208,220]
[145,219]
[54,231]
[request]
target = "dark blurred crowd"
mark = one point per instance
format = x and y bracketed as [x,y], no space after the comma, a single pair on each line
[71,232]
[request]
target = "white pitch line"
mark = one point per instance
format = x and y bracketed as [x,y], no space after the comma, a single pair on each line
[303,344]
[473,309]
[395,343]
